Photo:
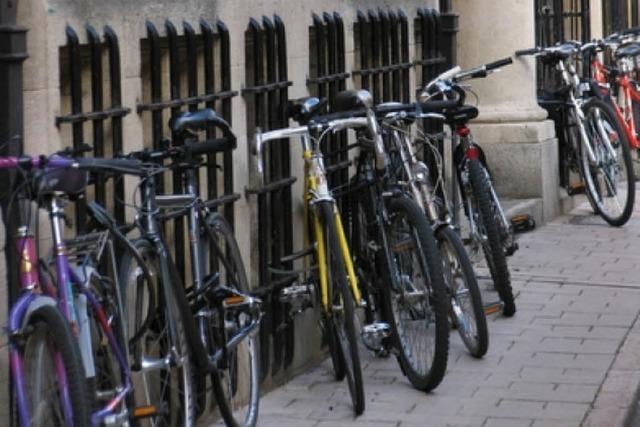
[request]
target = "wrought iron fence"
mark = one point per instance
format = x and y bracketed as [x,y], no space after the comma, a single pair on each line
[266,92]
[76,59]
[382,54]
[619,14]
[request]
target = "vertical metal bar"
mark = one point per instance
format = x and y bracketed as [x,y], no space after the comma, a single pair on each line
[385,46]
[155,69]
[330,43]
[174,80]
[75,71]
[209,87]
[225,82]
[395,55]
[264,220]
[375,53]
[115,85]
[320,52]
[192,62]
[341,85]
[404,53]
[95,45]
[365,40]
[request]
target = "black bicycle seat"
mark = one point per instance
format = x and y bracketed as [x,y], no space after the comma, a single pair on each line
[198,120]
[462,114]
[69,181]
[628,49]
[348,100]
[302,110]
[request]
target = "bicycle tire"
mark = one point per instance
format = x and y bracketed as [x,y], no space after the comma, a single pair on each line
[344,325]
[454,256]
[179,407]
[594,193]
[424,378]
[226,380]
[46,329]
[492,246]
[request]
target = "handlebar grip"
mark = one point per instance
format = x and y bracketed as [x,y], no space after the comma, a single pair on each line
[499,63]
[525,52]
[437,106]
[122,166]
[211,145]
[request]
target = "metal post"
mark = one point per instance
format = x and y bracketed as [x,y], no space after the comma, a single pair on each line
[449,28]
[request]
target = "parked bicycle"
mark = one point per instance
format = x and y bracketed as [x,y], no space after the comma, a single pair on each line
[331,283]
[597,145]
[489,231]
[178,336]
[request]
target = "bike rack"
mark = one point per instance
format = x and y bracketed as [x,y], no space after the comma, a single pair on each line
[99,114]
[214,40]
[267,93]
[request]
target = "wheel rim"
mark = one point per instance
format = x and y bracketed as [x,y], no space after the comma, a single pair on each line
[411,298]
[462,306]
[605,177]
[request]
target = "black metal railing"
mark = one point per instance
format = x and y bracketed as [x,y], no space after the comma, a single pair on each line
[189,57]
[382,54]
[327,77]
[619,14]
[73,65]
[266,92]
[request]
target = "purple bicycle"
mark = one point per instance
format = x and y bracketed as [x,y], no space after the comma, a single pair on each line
[67,332]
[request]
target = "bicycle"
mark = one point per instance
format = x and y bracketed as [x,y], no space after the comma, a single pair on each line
[333,285]
[177,335]
[489,230]
[466,311]
[597,145]
[89,366]
[396,254]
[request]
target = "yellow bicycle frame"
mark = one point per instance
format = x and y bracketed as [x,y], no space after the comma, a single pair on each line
[321,250]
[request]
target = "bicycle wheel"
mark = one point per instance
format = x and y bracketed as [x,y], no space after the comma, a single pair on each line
[416,297]
[342,311]
[161,366]
[236,380]
[50,352]
[610,181]
[467,311]
[487,222]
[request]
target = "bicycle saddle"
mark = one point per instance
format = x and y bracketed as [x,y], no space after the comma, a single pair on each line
[628,49]
[302,110]
[352,100]
[198,120]
[69,181]
[462,114]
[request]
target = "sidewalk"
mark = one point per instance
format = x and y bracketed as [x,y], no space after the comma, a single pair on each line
[570,356]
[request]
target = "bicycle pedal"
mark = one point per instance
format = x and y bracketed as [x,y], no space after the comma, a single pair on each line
[522,223]
[493,308]
[298,296]
[575,189]
[145,412]
[373,334]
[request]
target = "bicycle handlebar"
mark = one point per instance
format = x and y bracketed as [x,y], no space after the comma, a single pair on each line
[208,146]
[527,52]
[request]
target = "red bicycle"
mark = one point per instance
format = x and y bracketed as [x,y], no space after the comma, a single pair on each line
[619,77]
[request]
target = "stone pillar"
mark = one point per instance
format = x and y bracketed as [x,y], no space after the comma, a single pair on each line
[513,130]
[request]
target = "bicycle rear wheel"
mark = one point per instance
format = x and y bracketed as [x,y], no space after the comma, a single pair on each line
[342,311]
[467,311]
[415,296]
[610,182]
[487,222]
[161,365]
[50,352]
[236,381]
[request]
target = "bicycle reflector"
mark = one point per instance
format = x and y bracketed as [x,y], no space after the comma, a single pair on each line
[473,153]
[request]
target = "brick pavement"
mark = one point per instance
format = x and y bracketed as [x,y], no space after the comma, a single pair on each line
[568,357]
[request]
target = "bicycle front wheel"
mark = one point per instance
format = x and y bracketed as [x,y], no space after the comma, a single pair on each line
[467,311]
[487,222]
[342,312]
[415,296]
[610,180]
[236,378]
[51,357]
[161,366]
